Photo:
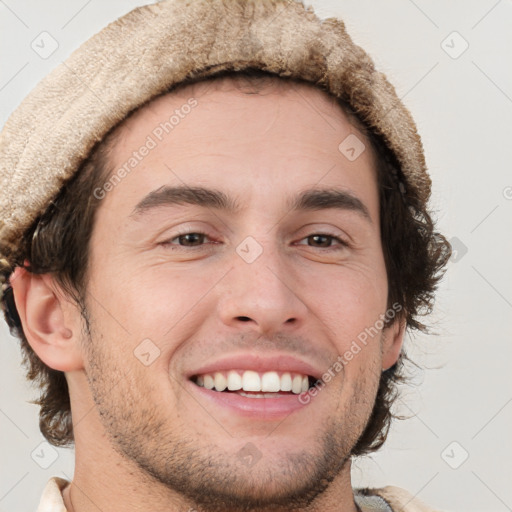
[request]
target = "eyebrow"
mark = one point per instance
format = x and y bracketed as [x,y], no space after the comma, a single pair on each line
[326,198]
[312,199]
[182,194]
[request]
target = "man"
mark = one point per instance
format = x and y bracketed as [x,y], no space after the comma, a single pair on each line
[214,236]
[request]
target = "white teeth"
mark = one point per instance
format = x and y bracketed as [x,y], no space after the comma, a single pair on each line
[234,381]
[267,383]
[220,381]
[286,382]
[297,384]
[251,381]
[208,382]
[270,382]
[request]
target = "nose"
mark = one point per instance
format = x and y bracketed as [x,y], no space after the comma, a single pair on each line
[261,294]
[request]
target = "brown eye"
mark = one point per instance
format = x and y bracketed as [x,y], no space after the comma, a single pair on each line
[324,241]
[191,239]
[320,240]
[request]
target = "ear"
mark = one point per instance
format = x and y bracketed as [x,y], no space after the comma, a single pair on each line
[51,322]
[392,343]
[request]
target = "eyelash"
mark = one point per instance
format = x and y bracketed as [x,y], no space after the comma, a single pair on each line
[168,243]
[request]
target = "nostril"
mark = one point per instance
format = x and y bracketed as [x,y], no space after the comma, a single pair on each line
[244,318]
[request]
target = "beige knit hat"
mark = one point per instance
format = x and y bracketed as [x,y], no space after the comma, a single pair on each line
[154,47]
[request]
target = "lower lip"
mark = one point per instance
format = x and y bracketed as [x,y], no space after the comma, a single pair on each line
[260,408]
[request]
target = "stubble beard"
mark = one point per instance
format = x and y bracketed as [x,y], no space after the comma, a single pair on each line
[211,479]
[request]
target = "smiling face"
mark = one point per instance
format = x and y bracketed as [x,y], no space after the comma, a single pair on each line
[235,261]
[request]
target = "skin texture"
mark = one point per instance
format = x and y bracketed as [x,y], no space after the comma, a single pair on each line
[145,438]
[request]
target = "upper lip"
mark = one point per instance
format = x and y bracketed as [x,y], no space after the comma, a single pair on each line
[258,363]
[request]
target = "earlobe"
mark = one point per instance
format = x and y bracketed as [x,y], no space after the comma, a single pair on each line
[392,343]
[50,322]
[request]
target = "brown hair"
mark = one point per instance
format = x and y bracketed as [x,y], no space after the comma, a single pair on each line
[58,243]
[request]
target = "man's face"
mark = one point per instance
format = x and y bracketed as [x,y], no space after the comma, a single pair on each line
[183,293]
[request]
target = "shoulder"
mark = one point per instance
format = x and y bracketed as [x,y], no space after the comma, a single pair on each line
[51,499]
[397,499]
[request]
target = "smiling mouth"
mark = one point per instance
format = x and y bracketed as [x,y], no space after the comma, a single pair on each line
[253,384]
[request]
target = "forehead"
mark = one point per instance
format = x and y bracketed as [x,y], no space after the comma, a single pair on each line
[233,92]
[271,134]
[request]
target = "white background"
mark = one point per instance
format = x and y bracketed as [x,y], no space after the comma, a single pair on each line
[463,108]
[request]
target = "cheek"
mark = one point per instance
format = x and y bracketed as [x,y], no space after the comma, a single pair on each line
[149,303]
[349,309]
[349,302]
[170,302]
